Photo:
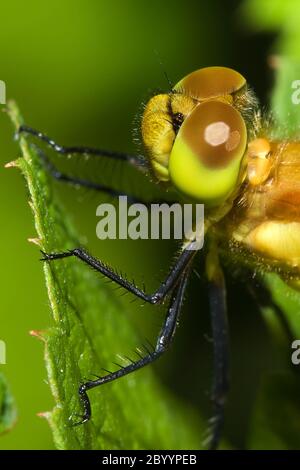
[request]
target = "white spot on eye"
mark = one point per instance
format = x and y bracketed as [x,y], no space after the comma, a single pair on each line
[216,133]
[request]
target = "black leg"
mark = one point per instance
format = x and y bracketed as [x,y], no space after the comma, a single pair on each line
[132,159]
[217,298]
[85,183]
[59,176]
[164,340]
[180,265]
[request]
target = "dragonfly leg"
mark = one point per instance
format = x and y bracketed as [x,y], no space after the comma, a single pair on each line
[132,159]
[183,260]
[63,177]
[163,341]
[220,334]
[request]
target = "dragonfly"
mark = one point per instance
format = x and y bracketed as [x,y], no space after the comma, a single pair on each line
[207,140]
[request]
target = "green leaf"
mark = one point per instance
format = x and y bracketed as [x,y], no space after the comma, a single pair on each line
[132,413]
[276,417]
[288,299]
[8,412]
[282,17]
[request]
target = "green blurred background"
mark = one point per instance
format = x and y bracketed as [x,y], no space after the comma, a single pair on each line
[79,72]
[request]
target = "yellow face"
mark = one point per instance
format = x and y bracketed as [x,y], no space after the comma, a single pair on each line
[195,137]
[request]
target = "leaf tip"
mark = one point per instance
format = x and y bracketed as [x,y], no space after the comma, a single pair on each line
[40,334]
[35,241]
[13,164]
[44,415]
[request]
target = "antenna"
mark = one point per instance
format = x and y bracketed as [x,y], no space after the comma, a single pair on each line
[163,69]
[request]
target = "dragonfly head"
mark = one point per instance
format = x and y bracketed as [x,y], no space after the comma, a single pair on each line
[196,136]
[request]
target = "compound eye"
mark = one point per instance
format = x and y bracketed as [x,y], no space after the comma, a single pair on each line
[207,152]
[210,82]
[214,133]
